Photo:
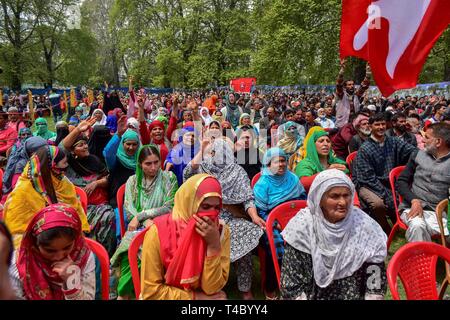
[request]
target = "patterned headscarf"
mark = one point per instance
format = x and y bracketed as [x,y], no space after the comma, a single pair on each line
[39,280]
[337,249]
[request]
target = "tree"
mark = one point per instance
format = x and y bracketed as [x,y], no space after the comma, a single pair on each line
[19,19]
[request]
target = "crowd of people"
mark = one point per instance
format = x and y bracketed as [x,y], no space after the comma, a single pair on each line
[200,173]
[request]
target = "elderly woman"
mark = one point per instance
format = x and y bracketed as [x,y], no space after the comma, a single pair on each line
[334,251]
[238,205]
[276,186]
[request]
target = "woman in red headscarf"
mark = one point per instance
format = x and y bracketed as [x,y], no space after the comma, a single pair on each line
[54,261]
[186,254]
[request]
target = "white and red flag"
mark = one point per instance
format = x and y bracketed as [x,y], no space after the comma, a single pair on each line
[395,36]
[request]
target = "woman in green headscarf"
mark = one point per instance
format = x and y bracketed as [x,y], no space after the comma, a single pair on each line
[232,112]
[42,129]
[319,157]
[148,194]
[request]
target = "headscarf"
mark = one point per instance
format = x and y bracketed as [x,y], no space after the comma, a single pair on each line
[224,168]
[233,112]
[42,130]
[244,115]
[39,280]
[18,160]
[164,120]
[312,157]
[126,160]
[356,123]
[133,123]
[217,118]
[86,166]
[101,122]
[62,131]
[182,249]
[73,121]
[111,122]
[291,141]
[23,131]
[271,189]
[337,249]
[182,154]
[140,178]
[98,140]
[207,119]
[164,145]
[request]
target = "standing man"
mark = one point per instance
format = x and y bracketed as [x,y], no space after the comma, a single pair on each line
[55,105]
[348,101]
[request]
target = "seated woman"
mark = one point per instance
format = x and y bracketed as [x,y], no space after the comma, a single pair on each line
[183,153]
[319,156]
[246,120]
[53,244]
[42,183]
[62,130]
[42,129]
[98,140]
[246,152]
[204,114]
[186,254]
[291,139]
[276,186]
[17,162]
[333,250]
[148,194]
[100,118]
[238,205]
[88,172]
[120,155]
[24,135]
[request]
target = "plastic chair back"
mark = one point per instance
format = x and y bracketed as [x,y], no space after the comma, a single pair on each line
[255,179]
[351,157]
[440,209]
[120,200]
[102,256]
[415,263]
[83,198]
[281,214]
[136,243]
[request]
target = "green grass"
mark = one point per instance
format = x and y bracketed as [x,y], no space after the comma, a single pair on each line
[399,241]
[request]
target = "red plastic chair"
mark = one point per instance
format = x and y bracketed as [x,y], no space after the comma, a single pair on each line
[136,243]
[255,179]
[415,263]
[120,199]
[282,214]
[351,157]
[393,176]
[83,198]
[1,181]
[102,256]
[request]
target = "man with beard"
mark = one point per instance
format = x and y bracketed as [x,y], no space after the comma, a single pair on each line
[424,183]
[399,129]
[348,101]
[372,166]
[413,127]
[361,124]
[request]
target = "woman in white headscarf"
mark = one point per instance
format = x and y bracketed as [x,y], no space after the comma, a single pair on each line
[100,116]
[204,113]
[334,251]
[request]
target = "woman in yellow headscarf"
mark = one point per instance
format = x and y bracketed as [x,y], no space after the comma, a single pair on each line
[186,254]
[300,154]
[41,184]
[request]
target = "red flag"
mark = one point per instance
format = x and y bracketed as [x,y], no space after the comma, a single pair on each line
[395,36]
[243,85]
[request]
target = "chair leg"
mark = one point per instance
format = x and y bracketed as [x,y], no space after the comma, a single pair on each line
[391,235]
[443,288]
